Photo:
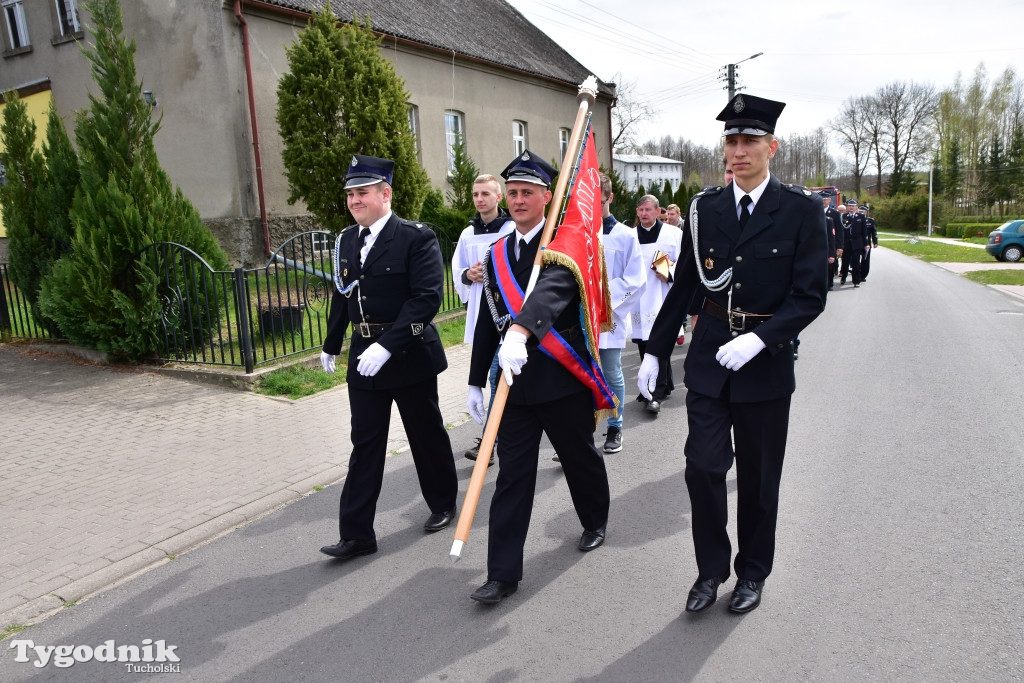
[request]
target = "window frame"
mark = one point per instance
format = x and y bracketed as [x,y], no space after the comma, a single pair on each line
[66,15]
[413,113]
[13,14]
[519,140]
[563,141]
[452,134]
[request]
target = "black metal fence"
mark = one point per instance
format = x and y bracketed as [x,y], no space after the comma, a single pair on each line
[242,318]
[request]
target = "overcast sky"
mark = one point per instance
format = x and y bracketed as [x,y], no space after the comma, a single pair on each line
[816,54]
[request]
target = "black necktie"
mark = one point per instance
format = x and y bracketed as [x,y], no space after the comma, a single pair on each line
[745,201]
[363,234]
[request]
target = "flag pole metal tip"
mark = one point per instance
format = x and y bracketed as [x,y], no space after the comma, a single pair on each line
[456,553]
[588,90]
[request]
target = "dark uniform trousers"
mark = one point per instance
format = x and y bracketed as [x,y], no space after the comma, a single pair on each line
[428,441]
[544,399]
[760,431]
[569,424]
[400,289]
[779,261]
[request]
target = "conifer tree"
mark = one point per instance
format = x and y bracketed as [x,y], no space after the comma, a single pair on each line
[98,294]
[340,98]
[23,201]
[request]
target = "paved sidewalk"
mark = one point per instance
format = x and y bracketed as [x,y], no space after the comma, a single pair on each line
[109,471]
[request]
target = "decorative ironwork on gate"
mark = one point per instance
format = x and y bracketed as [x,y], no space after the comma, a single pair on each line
[244,317]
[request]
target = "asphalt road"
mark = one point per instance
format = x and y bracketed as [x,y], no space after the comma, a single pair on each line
[899,557]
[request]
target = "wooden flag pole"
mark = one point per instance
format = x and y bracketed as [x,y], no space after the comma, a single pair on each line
[587,94]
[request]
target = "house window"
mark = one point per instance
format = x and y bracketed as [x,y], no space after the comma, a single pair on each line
[67,18]
[3,174]
[563,142]
[454,129]
[414,128]
[17,29]
[518,137]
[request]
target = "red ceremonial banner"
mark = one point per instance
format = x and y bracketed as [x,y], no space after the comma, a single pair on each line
[577,245]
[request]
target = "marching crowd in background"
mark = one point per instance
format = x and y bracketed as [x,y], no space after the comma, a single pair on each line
[751,260]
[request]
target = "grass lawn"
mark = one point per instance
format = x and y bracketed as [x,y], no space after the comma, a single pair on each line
[997,277]
[928,250]
[297,381]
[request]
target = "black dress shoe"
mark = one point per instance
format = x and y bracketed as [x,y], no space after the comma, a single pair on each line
[591,539]
[704,593]
[492,592]
[347,549]
[746,596]
[439,520]
[654,406]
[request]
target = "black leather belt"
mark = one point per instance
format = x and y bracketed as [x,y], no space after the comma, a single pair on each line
[372,330]
[738,321]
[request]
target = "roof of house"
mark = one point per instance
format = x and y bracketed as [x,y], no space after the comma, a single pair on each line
[490,30]
[644,159]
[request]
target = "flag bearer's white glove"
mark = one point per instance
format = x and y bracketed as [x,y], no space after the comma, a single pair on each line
[512,355]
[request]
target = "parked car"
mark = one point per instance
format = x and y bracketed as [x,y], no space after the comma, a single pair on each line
[1006,242]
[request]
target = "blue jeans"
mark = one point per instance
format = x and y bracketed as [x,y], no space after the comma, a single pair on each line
[611,365]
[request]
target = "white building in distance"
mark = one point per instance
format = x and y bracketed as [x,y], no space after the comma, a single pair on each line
[648,170]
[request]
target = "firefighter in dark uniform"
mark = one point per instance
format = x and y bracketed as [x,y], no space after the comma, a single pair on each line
[756,256]
[834,230]
[856,244]
[544,397]
[871,241]
[389,280]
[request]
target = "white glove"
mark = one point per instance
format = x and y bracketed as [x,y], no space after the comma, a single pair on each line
[372,360]
[647,378]
[475,404]
[512,355]
[327,360]
[736,353]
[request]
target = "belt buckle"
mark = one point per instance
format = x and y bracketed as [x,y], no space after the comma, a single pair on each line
[364,330]
[741,316]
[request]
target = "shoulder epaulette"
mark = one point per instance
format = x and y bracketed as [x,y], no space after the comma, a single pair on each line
[799,189]
[707,191]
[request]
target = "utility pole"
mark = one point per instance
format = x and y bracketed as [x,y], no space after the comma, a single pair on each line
[730,75]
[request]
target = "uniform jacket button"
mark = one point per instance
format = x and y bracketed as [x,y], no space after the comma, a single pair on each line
[738,259]
[364,298]
[735,333]
[739,285]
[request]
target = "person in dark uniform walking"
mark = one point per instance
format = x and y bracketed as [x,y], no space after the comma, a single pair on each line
[544,396]
[389,280]
[856,242]
[871,241]
[761,275]
[834,232]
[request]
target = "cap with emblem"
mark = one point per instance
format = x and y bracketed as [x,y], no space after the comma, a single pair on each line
[364,170]
[529,168]
[851,202]
[750,115]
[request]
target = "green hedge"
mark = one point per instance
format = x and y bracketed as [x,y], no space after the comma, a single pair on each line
[970,229]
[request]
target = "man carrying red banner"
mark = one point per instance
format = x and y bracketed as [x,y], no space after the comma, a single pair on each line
[545,396]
